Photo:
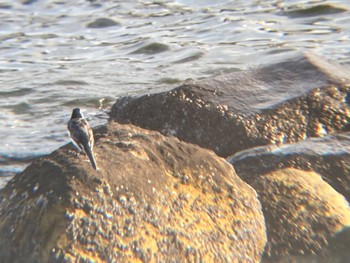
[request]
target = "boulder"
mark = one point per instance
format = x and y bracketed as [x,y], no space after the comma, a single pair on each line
[153,199]
[303,215]
[286,102]
[329,156]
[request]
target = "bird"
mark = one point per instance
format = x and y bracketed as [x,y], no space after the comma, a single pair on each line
[82,135]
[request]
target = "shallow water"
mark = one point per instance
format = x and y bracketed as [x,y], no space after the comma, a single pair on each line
[57,55]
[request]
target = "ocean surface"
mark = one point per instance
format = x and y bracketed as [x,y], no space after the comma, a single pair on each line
[58,55]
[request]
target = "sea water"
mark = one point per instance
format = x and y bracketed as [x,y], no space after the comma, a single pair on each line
[58,55]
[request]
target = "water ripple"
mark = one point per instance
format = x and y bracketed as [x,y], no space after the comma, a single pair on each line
[57,55]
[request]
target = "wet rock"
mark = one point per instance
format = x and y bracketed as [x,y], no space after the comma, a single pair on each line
[286,102]
[303,214]
[316,10]
[154,199]
[28,2]
[329,156]
[151,49]
[102,23]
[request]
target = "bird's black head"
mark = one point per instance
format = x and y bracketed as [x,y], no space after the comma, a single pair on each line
[76,113]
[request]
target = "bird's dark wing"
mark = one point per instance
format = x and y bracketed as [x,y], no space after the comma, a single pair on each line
[80,132]
[82,135]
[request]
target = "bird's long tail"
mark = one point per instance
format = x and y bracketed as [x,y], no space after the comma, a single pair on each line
[91,157]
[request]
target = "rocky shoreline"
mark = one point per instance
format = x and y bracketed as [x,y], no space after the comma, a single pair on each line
[164,193]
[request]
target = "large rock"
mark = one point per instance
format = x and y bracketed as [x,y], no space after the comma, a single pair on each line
[303,214]
[154,199]
[329,156]
[286,102]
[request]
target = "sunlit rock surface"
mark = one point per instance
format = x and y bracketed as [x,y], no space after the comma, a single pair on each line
[329,156]
[303,215]
[154,199]
[286,102]
[307,217]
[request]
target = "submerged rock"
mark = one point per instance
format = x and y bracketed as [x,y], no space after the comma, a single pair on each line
[329,156]
[303,214]
[281,103]
[102,23]
[151,49]
[154,199]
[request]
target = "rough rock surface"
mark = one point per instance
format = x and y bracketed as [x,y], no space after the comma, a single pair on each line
[154,199]
[286,102]
[329,156]
[303,214]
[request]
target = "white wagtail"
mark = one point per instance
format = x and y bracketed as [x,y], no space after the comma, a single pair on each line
[81,134]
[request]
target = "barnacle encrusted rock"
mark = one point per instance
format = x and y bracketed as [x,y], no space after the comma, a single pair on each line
[286,102]
[303,213]
[328,156]
[154,199]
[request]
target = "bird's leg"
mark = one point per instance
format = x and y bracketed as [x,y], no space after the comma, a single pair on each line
[76,151]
